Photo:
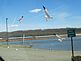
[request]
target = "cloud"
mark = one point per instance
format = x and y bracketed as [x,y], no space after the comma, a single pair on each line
[64,15]
[35,10]
[14,25]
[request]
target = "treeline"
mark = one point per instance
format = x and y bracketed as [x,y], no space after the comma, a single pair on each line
[38,32]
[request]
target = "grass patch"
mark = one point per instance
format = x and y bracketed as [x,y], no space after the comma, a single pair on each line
[15,46]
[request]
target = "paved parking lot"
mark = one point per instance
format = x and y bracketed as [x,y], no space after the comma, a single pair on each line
[30,54]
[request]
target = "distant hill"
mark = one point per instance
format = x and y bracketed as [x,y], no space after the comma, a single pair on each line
[38,32]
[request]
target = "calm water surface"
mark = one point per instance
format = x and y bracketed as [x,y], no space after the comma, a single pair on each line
[51,44]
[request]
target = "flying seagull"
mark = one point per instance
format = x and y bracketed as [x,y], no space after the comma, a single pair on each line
[47,16]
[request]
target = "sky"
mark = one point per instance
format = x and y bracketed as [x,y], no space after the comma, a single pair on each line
[66,13]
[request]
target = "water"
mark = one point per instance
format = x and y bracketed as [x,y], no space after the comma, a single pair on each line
[53,44]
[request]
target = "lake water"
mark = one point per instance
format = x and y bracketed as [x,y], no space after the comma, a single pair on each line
[51,44]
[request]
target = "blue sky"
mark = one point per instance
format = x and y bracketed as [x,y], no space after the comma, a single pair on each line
[66,13]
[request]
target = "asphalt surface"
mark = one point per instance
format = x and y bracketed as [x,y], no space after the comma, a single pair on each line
[30,54]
